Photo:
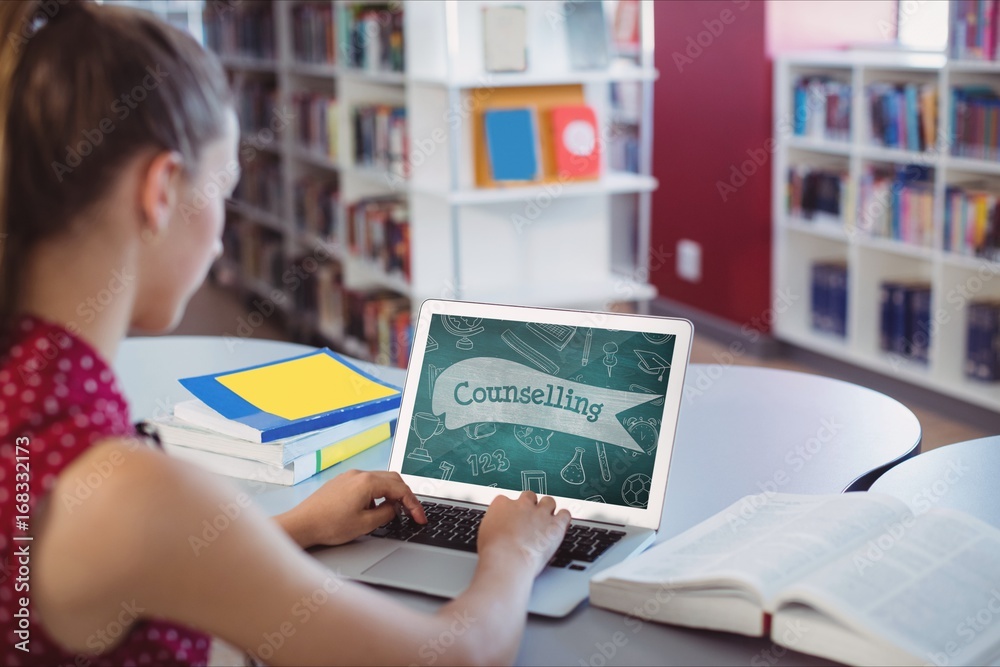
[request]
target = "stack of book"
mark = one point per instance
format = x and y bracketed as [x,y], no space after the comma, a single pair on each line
[982,351]
[905,322]
[281,422]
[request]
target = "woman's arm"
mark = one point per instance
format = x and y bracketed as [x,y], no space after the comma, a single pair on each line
[173,542]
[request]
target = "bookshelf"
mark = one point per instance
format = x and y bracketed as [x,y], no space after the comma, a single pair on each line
[916,248]
[560,242]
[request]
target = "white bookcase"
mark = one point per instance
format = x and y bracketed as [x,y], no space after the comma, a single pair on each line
[570,244]
[955,279]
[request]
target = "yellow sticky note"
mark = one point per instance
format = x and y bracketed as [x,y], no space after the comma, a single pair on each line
[304,387]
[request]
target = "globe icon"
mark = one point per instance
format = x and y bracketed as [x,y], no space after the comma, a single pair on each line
[462,327]
[635,490]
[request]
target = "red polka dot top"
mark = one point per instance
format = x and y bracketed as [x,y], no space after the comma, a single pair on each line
[57,398]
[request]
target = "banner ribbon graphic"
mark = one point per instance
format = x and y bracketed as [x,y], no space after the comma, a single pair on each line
[487,389]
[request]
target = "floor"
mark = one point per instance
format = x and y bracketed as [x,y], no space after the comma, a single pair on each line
[217,311]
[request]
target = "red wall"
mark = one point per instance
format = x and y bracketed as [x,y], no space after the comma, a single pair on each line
[710,109]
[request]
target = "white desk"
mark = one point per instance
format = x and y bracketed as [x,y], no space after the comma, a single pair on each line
[742,430]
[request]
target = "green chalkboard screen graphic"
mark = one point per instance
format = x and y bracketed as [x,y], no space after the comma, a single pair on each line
[565,411]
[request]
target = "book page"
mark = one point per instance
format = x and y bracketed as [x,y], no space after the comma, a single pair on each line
[929,584]
[765,540]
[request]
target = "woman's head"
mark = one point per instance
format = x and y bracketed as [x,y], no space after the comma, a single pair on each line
[109,113]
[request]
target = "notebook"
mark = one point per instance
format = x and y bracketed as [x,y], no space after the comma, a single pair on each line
[581,406]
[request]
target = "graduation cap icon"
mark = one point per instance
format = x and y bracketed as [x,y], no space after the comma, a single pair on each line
[652,363]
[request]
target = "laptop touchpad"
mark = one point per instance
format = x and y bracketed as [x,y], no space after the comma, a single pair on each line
[423,569]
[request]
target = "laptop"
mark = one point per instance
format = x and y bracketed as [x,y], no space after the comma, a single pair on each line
[580,406]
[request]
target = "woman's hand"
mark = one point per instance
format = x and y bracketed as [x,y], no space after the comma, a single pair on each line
[344,508]
[526,528]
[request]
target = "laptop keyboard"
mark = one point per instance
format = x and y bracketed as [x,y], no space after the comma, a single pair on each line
[455,527]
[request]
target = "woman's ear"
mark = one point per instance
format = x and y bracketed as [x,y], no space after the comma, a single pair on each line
[160,191]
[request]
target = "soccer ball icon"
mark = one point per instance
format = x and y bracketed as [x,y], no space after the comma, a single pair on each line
[635,490]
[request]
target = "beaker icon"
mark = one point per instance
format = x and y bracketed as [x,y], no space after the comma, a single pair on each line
[573,472]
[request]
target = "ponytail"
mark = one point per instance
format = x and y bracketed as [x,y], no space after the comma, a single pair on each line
[65,67]
[16,25]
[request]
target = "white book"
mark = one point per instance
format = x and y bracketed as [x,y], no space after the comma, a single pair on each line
[857,578]
[197,426]
[505,38]
[294,471]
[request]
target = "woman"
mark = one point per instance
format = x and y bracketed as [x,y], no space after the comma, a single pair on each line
[117,139]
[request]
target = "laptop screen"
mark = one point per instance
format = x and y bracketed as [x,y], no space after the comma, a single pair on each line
[561,410]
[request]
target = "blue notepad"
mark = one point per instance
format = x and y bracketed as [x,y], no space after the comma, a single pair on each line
[512,144]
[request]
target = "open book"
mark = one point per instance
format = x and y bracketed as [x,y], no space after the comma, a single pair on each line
[858,578]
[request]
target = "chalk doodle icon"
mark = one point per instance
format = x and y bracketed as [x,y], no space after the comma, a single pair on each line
[573,473]
[446,470]
[602,458]
[533,439]
[596,498]
[610,360]
[556,335]
[535,480]
[635,490]
[426,426]
[645,431]
[652,363]
[463,327]
[529,353]
[480,430]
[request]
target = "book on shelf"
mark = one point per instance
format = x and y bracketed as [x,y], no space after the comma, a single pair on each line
[973,29]
[859,578]
[828,297]
[512,144]
[897,203]
[317,123]
[982,349]
[817,194]
[379,231]
[972,221]
[289,397]
[314,33]
[317,206]
[380,138]
[371,35]
[627,25]
[905,319]
[821,108]
[381,319]
[505,38]
[902,116]
[246,31]
[576,142]
[256,102]
[586,34]
[975,122]
[260,185]
[289,473]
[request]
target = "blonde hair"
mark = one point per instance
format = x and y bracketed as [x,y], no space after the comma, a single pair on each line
[83,88]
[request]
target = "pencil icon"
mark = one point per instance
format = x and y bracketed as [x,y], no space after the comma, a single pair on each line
[586,346]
